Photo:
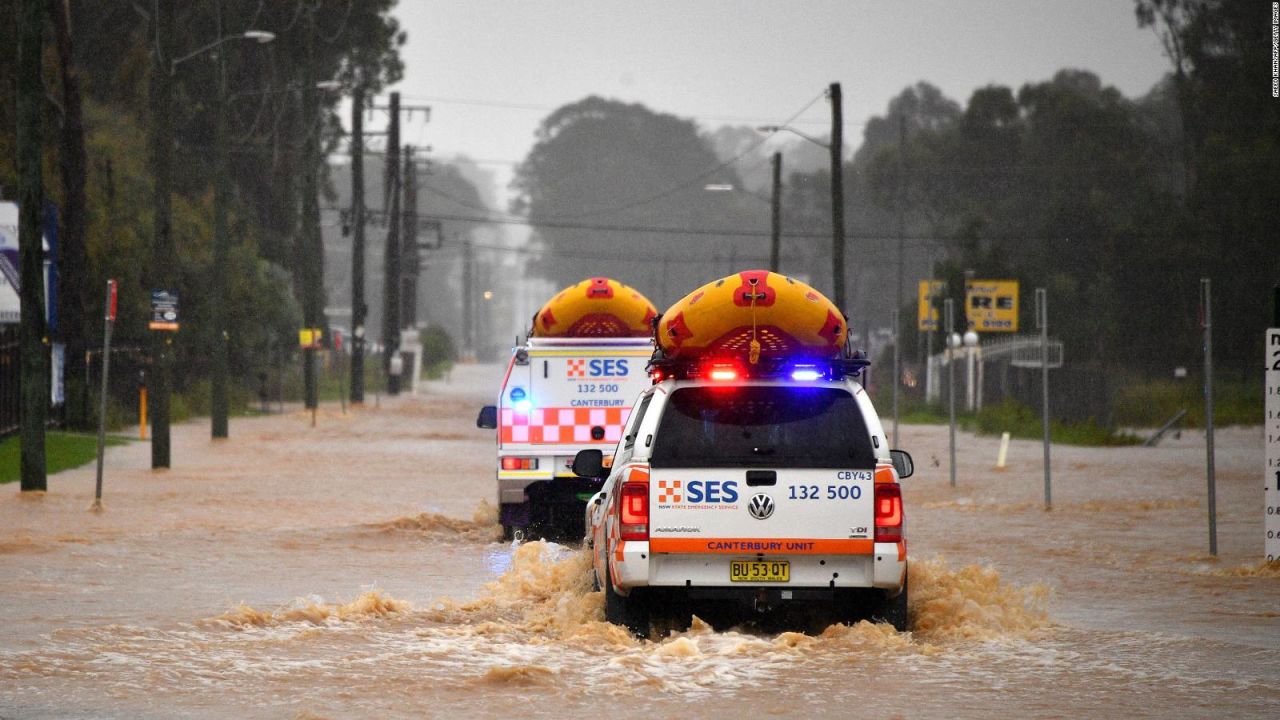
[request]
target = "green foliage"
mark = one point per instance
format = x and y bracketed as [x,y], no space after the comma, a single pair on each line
[1149,404]
[113,54]
[437,345]
[1021,421]
[438,352]
[1018,420]
[63,451]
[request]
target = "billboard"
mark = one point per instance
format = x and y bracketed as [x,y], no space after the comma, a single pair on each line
[927,305]
[991,305]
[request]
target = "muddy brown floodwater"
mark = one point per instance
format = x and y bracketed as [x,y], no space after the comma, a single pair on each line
[354,569]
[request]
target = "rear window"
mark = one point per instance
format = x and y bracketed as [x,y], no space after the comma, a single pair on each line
[772,426]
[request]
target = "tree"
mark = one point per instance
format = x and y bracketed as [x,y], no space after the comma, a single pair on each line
[72,260]
[1220,52]
[32,350]
[603,162]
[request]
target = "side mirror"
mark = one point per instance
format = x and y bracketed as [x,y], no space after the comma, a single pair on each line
[488,417]
[902,463]
[589,464]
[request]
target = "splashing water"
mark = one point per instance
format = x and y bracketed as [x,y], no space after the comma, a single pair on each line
[971,603]
[371,604]
[482,527]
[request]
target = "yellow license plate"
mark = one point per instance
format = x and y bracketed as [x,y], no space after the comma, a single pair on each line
[759,571]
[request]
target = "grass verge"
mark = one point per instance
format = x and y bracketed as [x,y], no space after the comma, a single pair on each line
[1019,421]
[63,451]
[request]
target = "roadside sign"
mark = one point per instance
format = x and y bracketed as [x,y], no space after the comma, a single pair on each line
[991,305]
[164,310]
[926,313]
[111,300]
[309,338]
[1271,433]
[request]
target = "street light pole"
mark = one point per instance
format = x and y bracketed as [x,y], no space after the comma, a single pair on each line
[311,248]
[775,243]
[837,196]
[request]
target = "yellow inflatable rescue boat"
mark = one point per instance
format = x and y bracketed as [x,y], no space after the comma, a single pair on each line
[596,307]
[753,314]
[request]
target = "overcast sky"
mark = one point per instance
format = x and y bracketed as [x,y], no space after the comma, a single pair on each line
[492,69]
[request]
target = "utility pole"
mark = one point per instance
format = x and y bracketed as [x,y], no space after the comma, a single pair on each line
[218,383]
[161,273]
[391,258]
[775,243]
[34,358]
[358,308]
[468,270]
[310,256]
[897,298]
[409,248]
[837,196]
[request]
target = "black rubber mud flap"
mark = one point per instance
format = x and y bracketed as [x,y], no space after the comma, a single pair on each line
[630,611]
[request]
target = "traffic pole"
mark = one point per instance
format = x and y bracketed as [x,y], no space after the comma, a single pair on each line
[1207,312]
[948,306]
[109,321]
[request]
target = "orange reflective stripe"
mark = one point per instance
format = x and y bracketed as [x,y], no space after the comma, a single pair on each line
[751,546]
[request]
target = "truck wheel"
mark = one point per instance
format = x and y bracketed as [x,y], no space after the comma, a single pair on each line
[893,610]
[630,611]
[508,533]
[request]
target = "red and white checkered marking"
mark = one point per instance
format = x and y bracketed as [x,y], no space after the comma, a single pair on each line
[562,425]
[577,367]
[669,491]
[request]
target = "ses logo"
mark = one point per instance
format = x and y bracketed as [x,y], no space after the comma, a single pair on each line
[597,368]
[698,494]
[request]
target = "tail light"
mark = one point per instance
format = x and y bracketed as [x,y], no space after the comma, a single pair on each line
[888,512]
[519,463]
[633,511]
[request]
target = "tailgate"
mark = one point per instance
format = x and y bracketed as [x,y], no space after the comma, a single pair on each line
[580,396]
[810,511]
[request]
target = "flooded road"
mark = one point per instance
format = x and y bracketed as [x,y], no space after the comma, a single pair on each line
[354,569]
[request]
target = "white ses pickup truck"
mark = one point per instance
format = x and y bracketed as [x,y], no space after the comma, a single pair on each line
[755,491]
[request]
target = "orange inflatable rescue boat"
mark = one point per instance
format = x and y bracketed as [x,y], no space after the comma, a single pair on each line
[753,314]
[596,307]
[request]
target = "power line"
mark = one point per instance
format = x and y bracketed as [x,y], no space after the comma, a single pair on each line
[549,108]
[697,178]
[647,229]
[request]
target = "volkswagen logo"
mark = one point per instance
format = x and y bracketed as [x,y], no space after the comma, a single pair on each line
[760,506]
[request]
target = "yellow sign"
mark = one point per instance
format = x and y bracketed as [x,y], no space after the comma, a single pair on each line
[309,337]
[926,308]
[991,305]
